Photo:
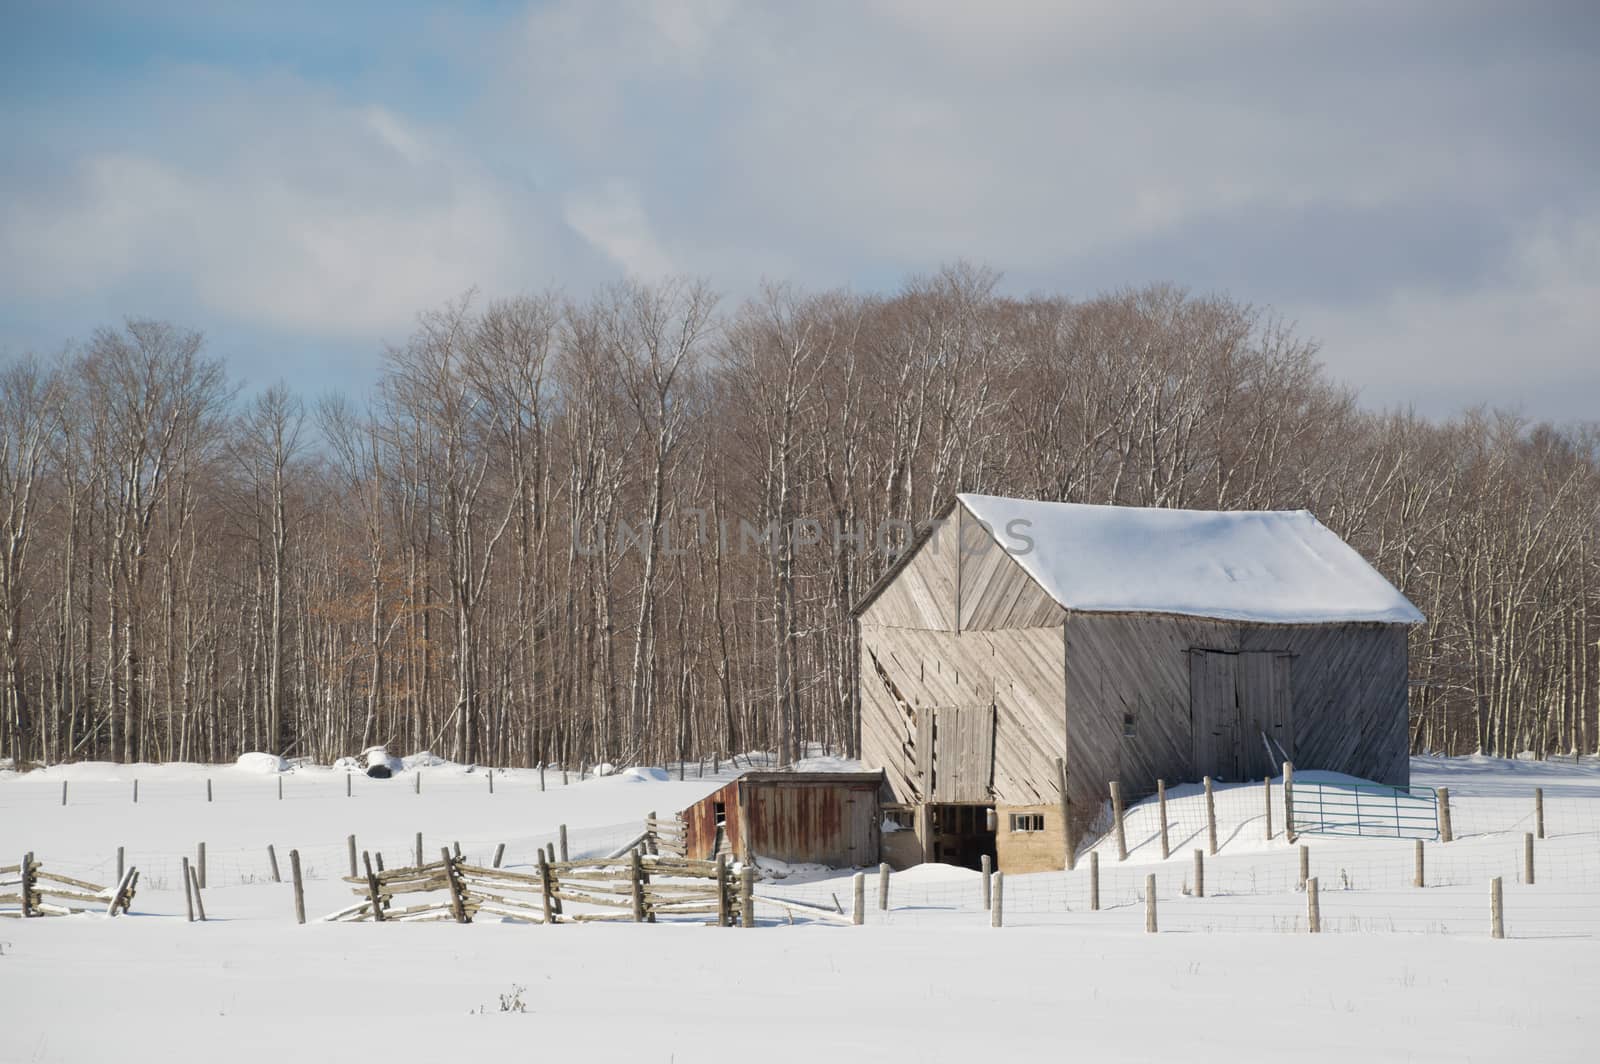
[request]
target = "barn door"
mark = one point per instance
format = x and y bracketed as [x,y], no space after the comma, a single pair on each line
[1234,700]
[960,759]
[1265,709]
[1214,713]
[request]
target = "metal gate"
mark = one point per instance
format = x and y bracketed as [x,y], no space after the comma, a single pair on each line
[1365,809]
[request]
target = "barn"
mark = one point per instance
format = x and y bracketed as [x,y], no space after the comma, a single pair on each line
[1020,655]
[826,818]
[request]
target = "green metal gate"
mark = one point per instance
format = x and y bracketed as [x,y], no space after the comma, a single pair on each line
[1369,810]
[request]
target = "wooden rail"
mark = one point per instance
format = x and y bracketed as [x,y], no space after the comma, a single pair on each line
[28,889]
[638,888]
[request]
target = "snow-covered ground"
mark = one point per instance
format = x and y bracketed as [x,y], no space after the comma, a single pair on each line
[1401,974]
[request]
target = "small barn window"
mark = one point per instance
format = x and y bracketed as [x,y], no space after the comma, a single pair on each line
[1027,821]
[722,814]
[1127,726]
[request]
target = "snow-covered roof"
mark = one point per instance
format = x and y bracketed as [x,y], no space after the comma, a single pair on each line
[1273,566]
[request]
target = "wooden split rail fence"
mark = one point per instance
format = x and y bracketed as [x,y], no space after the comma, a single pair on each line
[638,887]
[668,835]
[27,890]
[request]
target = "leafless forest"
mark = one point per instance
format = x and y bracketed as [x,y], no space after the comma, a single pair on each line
[632,526]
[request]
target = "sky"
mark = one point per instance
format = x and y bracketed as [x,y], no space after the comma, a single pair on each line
[1411,184]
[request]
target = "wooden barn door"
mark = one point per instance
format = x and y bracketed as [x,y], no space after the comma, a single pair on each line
[1214,712]
[958,764]
[1235,699]
[1265,709]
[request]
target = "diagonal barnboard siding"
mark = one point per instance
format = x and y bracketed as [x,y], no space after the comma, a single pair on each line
[1134,664]
[1347,684]
[994,590]
[923,593]
[1020,672]
[1350,696]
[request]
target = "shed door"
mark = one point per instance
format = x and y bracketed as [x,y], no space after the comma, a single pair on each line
[1214,712]
[960,759]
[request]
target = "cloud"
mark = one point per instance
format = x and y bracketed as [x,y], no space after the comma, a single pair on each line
[1379,172]
[612,219]
[1527,337]
[280,206]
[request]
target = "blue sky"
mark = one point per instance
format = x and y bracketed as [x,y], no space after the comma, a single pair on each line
[1413,184]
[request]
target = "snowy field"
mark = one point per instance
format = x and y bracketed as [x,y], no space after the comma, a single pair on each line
[1399,973]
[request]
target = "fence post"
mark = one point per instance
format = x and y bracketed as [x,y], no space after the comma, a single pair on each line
[1266,787]
[119,864]
[188,889]
[1211,818]
[63,792]
[416,782]
[1445,834]
[636,881]
[724,909]
[1069,842]
[272,859]
[1288,801]
[350,842]
[347,776]
[1418,880]
[372,888]
[747,895]
[541,777]
[1497,924]
[1150,903]
[1538,808]
[201,865]
[136,791]
[883,886]
[858,902]
[545,889]
[1527,858]
[419,849]
[1116,816]
[379,858]
[280,788]
[499,852]
[997,911]
[458,904]
[1313,908]
[208,790]
[1305,865]
[1199,873]
[1094,881]
[199,902]
[650,832]
[1161,804]
[564,856]
[988,870]
[491,781]
[299,887]
[26,875]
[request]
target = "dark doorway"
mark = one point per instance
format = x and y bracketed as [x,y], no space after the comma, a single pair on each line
[962,835]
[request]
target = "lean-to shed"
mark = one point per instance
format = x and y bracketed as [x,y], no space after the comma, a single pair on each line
[826,818]
[1020,646]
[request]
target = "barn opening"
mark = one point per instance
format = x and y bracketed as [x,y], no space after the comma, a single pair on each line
[962,835]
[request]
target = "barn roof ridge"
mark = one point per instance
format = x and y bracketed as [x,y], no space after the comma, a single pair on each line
[1257,566]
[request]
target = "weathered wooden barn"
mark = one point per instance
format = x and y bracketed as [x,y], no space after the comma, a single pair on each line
[1021,647]
[827,818]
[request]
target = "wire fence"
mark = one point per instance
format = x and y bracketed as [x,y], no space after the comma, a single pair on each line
[1252,882]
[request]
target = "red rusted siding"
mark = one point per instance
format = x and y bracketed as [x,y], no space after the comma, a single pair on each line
[700,822]
[821,818]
